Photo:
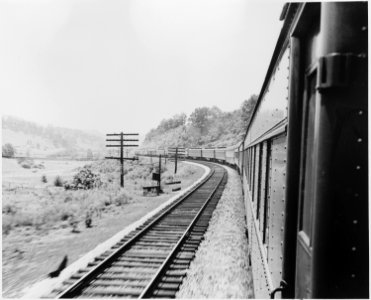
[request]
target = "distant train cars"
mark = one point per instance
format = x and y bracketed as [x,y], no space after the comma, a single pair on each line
[304,158]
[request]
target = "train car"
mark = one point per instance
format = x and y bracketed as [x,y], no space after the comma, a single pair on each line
[220,154]
[304,158]
[194,153]
[208,154]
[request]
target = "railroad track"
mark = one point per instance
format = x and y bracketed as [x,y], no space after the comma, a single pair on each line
[152,260]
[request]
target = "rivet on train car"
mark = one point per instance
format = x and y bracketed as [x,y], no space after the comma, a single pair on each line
[353,248]
[356,195]
[360,112]
[364,28]
[358,167]
[355,222]
[353,275]
[359,140]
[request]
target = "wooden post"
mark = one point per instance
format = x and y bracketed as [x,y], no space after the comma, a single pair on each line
[159,174]
[122,158]
[176,160]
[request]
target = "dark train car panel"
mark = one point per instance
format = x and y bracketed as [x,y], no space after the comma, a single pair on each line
[336,91]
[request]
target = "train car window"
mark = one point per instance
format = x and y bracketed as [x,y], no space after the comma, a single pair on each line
[262,188]
[246,162]
[255,173]
[268,167]
[249,163]
[306,209]
[259,181]
[250,166]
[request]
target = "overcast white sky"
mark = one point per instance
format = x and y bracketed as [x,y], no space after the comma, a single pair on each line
[123,65]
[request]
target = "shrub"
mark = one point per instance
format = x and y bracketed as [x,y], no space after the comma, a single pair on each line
[121,199]
[9,209]
[8,150]
[44,179]
[84,179]
[26,163]
[58,181]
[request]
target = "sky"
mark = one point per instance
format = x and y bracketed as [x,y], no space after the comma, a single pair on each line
[122,65]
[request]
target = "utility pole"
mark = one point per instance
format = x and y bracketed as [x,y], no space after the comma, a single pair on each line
[175,154]
[159,174]
[176,160]
[121,140]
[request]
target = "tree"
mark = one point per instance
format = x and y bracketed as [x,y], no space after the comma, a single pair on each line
[200,118]
[8,150]
[247,109]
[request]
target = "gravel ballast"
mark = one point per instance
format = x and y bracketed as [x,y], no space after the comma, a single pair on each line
[221,267]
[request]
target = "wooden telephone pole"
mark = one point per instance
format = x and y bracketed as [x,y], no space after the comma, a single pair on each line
[122,146]
[175,154]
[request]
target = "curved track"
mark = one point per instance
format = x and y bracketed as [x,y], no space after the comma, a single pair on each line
[152,260]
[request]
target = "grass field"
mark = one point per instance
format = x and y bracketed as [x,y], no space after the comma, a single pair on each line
[43,222]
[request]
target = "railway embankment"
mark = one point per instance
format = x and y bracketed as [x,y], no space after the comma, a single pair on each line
[44,287]
[221,267]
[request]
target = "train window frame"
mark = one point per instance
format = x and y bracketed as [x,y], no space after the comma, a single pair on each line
[306,201]
[267,192]
[250,167]
[253,162]
[258,196]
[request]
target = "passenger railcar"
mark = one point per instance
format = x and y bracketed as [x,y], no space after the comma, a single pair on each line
[304,158]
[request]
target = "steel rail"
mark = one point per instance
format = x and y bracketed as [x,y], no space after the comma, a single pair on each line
[149,288]
[70,291]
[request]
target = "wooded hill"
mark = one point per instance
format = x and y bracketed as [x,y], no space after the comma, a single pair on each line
[205,127]
[33,140]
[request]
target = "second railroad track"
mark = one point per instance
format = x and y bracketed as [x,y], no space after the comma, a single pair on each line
[152,260]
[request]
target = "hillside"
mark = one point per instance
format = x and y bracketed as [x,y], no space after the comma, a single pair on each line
[34,140]
[205,127]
